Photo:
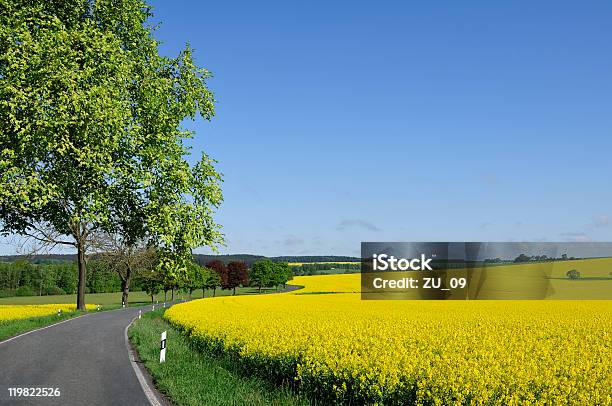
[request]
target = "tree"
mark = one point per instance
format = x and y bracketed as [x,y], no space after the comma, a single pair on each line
[195,278]
[101,278]
[90,132]
[219,268]
[262,273]
[266,273]
[573,274]
[211,280]
[522,258]
[237,275]
[151,282]
[126,259]
[283,273]
[170,281]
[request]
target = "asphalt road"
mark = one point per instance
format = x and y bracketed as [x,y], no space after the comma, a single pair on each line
[86,358]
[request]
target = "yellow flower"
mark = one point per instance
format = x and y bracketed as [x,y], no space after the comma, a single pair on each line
[343,349]
[15,312]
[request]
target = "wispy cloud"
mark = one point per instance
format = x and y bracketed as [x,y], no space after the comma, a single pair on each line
[356,223]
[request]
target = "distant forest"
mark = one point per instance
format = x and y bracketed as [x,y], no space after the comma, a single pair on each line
[57,274]
[249,259]
[201,259]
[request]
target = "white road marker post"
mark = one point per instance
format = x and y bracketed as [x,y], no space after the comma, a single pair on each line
[59,312]
[153,307]
[139,313]
[162,352]
[98,307]
[123,304]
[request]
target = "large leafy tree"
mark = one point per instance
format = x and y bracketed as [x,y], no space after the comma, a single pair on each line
[194,278]
[219,268]
[262,273]
[211,280]
[90,132]
[282,274]
[237,275]
[151,282]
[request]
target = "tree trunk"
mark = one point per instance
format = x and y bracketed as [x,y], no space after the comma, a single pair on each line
[203,291]
[165,295]
[173,294]
[259,288]
[234,294]
[214,291]
[82,276]
[125,287]
[151,298]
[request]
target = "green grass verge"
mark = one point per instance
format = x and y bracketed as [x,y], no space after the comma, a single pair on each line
[189,377]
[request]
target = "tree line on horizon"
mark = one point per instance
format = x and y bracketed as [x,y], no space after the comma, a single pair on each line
[319,268]
[22,278]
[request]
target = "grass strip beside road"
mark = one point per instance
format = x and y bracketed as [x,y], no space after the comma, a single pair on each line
[11,328]
[189,377]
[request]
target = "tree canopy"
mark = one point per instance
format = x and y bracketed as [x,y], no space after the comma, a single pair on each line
[90,131]
[194,278]
[266,273]
[262,273]
[237,274]
[211,280]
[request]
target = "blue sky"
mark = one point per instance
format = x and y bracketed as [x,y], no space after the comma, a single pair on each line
[340,122]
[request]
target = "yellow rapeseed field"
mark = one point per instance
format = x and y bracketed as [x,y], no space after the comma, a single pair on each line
[15,312]
[340,349]
[343,283]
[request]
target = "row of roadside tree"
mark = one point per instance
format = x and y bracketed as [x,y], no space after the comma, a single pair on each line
[110,273]
[216,274]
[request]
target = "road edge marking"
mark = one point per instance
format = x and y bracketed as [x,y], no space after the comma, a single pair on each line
[41,328]
[149,393]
